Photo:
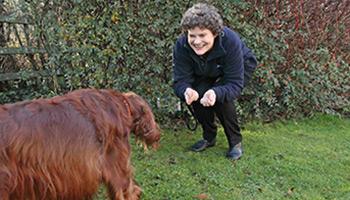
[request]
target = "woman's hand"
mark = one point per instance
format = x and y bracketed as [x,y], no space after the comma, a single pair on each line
[209,98]
[191,95]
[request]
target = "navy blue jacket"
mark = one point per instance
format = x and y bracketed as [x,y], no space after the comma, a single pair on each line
[222,69]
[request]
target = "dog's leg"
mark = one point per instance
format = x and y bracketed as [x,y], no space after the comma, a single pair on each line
[135,190]
[117,173]
[4,186]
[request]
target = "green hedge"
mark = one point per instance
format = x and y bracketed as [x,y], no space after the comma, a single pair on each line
[127,45]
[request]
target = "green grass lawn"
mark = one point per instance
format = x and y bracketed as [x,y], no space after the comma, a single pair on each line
[302,159]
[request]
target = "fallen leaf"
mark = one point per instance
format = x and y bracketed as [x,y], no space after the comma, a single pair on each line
[201,196]
[290,191]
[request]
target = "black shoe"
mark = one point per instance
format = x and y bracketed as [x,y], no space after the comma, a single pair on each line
[235,152]
[202,144]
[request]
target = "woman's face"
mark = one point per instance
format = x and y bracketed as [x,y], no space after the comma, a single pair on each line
[200,40]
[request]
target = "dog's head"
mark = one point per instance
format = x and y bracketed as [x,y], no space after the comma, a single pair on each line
[144,125]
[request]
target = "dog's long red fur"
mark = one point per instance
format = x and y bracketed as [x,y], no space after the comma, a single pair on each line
[66,146]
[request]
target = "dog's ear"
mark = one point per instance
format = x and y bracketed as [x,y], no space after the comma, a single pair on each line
[138,105]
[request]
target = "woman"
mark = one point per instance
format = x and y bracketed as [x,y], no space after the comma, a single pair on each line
[210,66]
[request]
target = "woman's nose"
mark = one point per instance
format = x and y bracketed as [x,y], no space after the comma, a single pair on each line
[196,41]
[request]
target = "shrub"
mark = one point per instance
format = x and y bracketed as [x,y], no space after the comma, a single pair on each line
[127,45]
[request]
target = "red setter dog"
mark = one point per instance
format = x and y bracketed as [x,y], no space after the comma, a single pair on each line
[66,146]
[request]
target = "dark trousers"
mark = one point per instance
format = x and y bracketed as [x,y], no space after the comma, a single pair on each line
[226,112]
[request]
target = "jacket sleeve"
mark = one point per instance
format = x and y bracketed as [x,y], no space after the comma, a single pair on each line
[233,70]
[182,70]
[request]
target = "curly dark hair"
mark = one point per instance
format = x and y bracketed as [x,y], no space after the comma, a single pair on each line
[202,15]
